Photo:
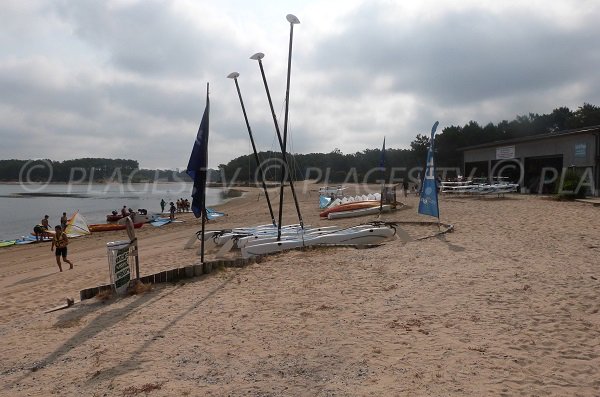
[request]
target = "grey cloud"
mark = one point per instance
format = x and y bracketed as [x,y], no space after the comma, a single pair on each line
[463,57]
[373,77]
[147,37]
[25,85]
[144,97]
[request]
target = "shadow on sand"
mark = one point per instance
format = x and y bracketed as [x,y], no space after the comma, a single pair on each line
[110,318]
[452,247]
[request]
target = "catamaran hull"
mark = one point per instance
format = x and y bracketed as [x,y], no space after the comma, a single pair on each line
[290,235]
[307,234]
[373,235]
[220,237]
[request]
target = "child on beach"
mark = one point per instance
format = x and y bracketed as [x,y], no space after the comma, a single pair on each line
[63,221]
[61,241]
[172,211]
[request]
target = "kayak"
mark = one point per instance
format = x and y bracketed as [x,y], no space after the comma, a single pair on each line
[350,206]
[359,212]
[105,227]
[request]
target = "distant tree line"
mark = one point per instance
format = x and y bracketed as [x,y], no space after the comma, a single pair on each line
[335,167]
[84,170]
[359,166]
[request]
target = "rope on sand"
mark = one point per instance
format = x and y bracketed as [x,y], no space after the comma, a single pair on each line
[447,227]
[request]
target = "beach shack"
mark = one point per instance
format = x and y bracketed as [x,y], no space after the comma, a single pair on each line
[539,163]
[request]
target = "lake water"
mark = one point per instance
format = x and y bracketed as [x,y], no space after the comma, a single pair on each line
[24,206]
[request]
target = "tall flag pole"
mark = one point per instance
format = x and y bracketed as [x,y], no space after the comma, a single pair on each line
[428,203]
[197,170]
[382,166]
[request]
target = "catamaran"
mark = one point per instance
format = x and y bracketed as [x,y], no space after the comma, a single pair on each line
[275,237]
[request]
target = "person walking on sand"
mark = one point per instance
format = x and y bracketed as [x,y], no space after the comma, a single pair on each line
[162,205]
[63,221]
[60,240]
[172,211]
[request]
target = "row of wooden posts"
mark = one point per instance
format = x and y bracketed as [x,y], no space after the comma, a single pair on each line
[177,274]
[186,272]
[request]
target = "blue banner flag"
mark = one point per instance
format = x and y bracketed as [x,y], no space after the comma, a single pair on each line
[428,204]
[197,166]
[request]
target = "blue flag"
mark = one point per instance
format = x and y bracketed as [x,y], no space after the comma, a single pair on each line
[197,166]
[428,204]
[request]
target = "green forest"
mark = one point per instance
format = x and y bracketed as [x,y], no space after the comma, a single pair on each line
[336,166]
[333,167]
[83,170]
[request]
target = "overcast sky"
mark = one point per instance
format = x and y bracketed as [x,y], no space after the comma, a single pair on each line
[127,79]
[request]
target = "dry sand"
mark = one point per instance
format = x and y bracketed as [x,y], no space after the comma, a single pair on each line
[508,304]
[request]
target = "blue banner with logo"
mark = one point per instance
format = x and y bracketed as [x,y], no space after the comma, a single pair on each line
[428,203]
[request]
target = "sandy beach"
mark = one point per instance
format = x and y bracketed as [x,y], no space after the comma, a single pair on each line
[508,304]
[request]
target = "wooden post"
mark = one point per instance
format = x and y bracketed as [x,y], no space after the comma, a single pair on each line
[162,276]
[197,270]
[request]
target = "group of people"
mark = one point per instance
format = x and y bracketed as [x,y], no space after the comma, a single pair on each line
[126,212]
[181,205]
[59,238]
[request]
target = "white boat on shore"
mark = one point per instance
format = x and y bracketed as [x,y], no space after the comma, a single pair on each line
[293,236]
[479,186]
[266,239]
[356,236]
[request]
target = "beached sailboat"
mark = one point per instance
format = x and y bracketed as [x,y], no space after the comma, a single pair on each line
[353,236]
[266,239]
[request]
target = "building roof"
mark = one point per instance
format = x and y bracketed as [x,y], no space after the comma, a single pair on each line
[586,130]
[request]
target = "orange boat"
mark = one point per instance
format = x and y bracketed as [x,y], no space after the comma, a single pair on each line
[105,227]
[356,205]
